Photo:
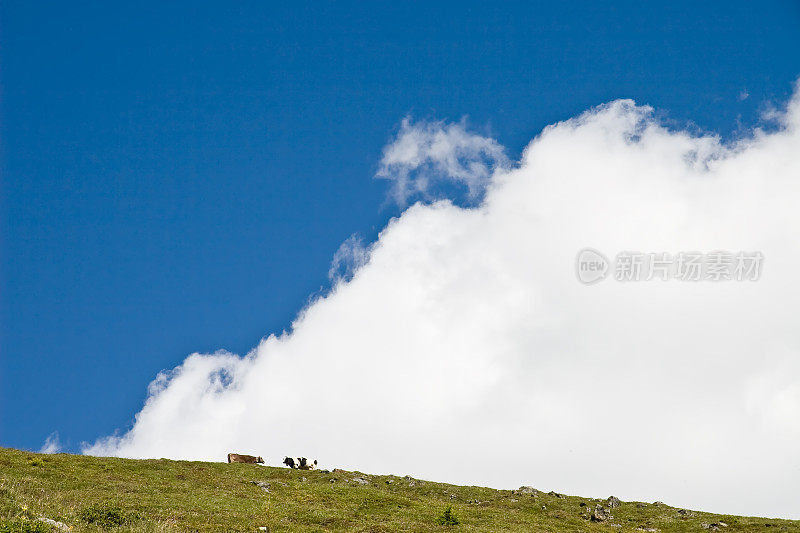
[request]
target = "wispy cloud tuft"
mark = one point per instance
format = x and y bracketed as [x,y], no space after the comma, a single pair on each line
[426,157]
[351,255]
[52,444]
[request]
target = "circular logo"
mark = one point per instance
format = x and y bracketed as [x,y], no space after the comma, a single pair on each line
[591,266]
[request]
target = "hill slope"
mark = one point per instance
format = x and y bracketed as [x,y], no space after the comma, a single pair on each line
[94,494]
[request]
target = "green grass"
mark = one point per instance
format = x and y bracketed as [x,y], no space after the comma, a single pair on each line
[105,494]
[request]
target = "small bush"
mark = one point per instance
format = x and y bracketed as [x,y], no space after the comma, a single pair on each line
[8,508]
[107,515]
[447,518]
[24,526]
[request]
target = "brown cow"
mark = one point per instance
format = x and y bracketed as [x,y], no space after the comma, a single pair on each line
[249,459]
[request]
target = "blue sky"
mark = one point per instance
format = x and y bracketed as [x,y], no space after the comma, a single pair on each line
[177,178]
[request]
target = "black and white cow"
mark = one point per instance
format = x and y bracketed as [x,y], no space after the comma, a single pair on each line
[301,463]
[305,464]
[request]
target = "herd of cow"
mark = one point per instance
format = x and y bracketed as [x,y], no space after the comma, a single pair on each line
[300,463]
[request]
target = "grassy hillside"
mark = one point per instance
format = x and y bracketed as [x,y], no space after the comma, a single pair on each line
[97,494]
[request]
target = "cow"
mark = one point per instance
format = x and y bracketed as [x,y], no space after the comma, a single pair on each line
[249,459]
[304,464]
[300,463]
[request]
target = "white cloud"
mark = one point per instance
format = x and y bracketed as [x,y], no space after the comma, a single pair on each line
[52,444]
[465,350]
[351,255]
[427,155]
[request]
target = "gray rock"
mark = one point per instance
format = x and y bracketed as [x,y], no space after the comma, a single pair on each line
[525,489]
[413,482]
[263,485]
[56,524]
[360,481]
[613,502]
[600,514]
